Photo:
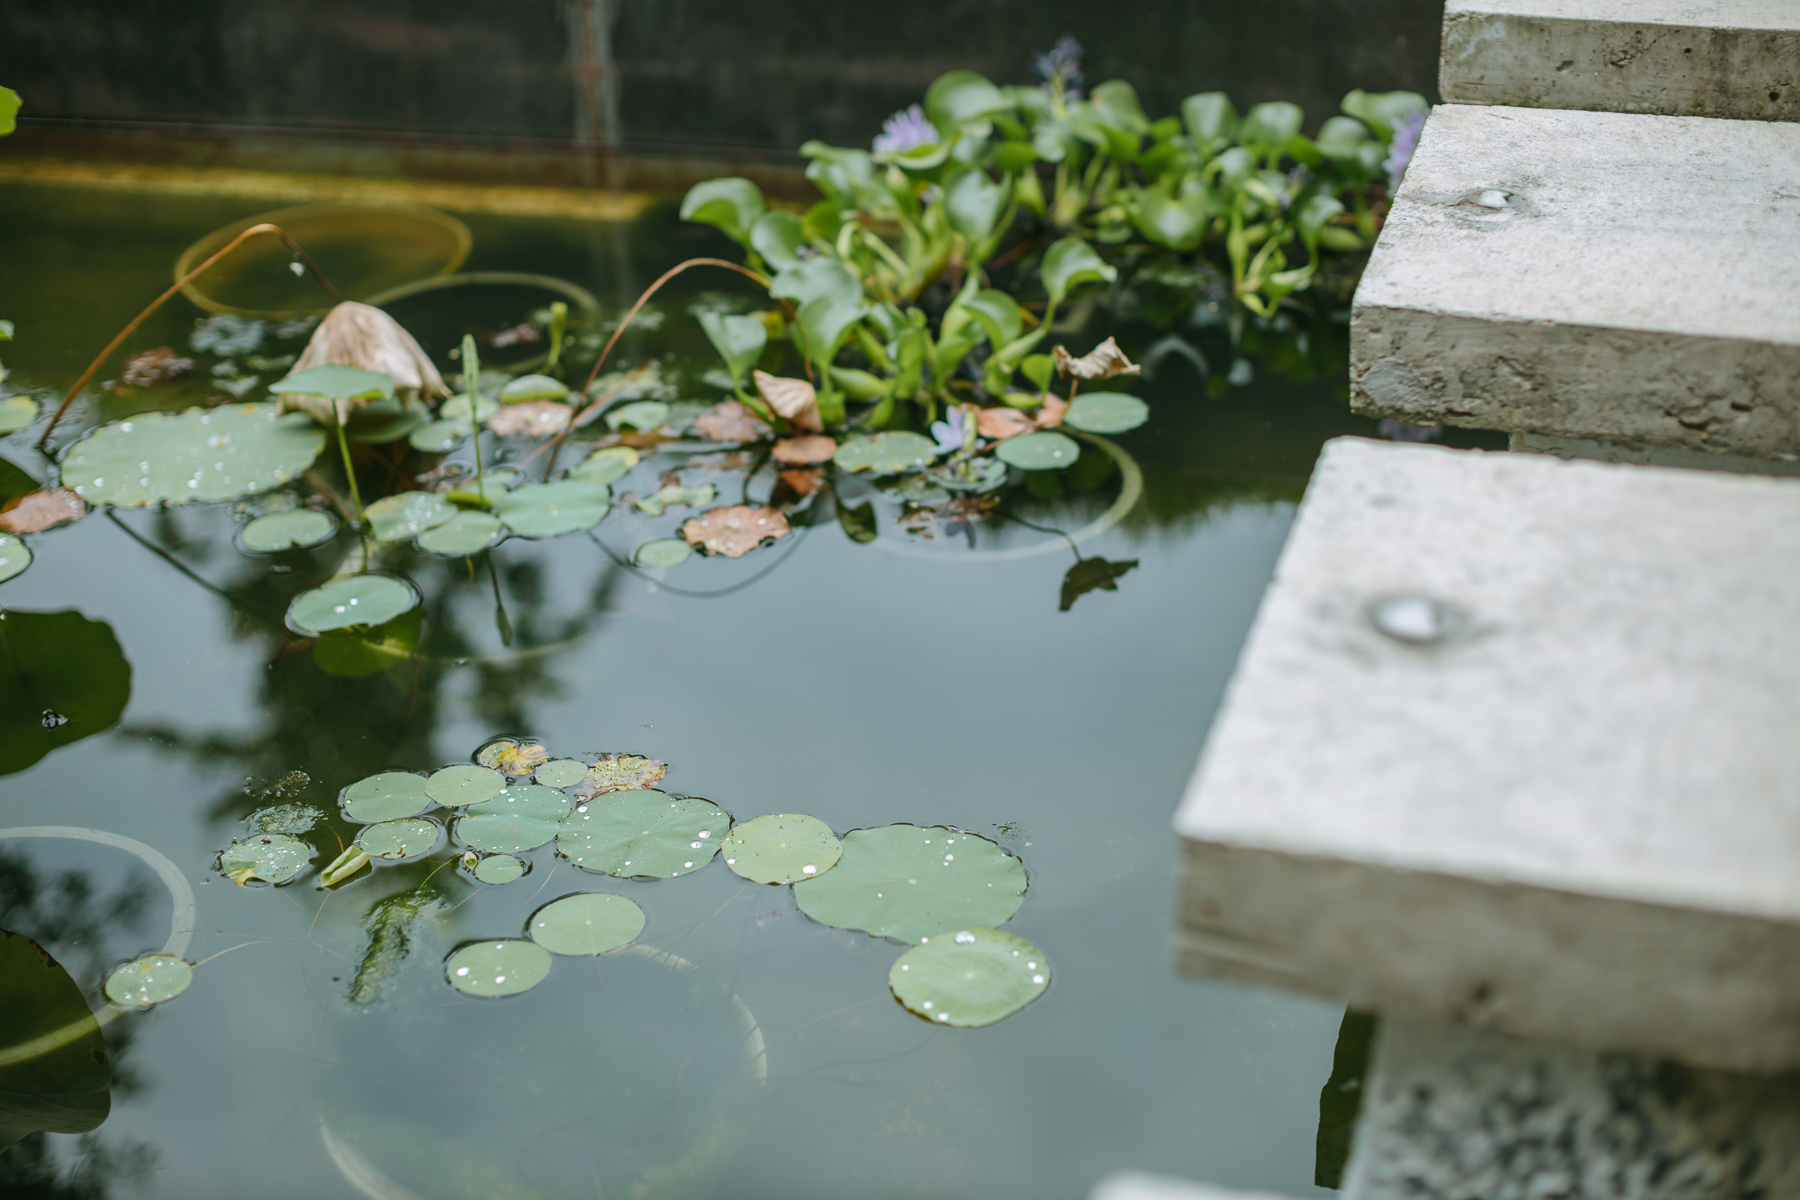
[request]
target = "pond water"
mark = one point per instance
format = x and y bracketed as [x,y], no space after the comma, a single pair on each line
[740,1048]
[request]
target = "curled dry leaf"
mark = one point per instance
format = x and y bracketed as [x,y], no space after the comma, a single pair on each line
[531,418]
[1002,423]
[1103,362]
[153,368]
[734,532]
[730,421]
[794,399]
[361,336]
[805,451]
[43,509]
[618,773]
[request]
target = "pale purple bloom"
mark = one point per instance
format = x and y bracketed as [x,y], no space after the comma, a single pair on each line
[952,431]
[904,130]
[1061,68]
[1400,150]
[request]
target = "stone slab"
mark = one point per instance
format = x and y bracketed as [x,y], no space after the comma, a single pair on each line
[1652,456]
[1639,281]
[1693,58]
[1575,815]
[1138,1185]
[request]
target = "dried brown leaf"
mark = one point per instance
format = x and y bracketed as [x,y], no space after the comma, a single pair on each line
[1002,423]
[805,451]
[153,368]
[800,481]
[512,757]
[43,509]
[1103,362]
[360,336]
[734,532]
[531,418]
[1050,414]
[618,773]
[730,421]
[794,399]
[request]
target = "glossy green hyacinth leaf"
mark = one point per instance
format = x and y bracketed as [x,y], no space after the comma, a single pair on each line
[464,784]
[497,869]
[408,514]
[201,455]
[606,465]
[521,817]
[407,838]
[560,773]
[540,510]
[54,1073]
[386,797]
[1106,412]
[15,556]
[503,967]
[293,530]
[587,923]
[969,977]
[663,552]
[16,412]
[642,831]
[1041,451]
[906,882]
[468,532]
[151,979]
[270,857]
[351,600]
[782,848]
[886,453]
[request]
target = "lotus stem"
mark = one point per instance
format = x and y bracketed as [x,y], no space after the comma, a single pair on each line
[362,514]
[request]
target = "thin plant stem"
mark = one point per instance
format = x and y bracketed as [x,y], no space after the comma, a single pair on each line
[362,514]
[472,390]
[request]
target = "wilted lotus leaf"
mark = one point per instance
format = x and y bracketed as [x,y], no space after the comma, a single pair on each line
[908,883]
[15,556]
[386,797]
[539,510]
[616,772]
[149,980]
[512,756]
[1040,451]
[203,454]
[531,418]
[284,818]
[43,509]
[270,857]
[504,967]
[886,453]
[295,529]
[641,415]
[400,839]
[496,869]
[663,552]
[586,923]
[16,412]
[1103,362]
[521,817]
[784,848]
[466,533]
[805,451]
[969,977]
[351,600]
[794,399]
[527,388]
[692,497]
[464,784]
[606,465]
[1106,412]
[642,832]
[407,514]
[560,772]
[736,531]
[730,421]
[359,336]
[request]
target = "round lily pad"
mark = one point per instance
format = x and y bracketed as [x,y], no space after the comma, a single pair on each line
[503,967]
[549,509]
[643,832]
[385,797]
[295,529]
[463,784]
[499,868]
[464,534]
[886,453]
[149,980]
[270,857]
[203,454]
[533,387]
[16,412]
[970,977]
[408,514]
[607,465]
[1041,451]
[439,436]
[519,818]
[586,923]
[15,556]
[400,839]
[642,415]
[1106,412]
[906,882]
[456,408]
[663,552]
[560,773]
[784,848]
[352,600]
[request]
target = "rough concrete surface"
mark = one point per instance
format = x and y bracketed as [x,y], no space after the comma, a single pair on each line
[1575,815]
[1136,1185]
[1590,275]
[1695,58]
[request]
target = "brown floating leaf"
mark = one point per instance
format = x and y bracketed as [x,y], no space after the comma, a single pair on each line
[792,398]
[361,336]
[1050,414]
[734,532]
[513,757]
[43,509]
[730,421]
[1103,362]
[800,481]
[618,773]
[531,418]
[1002,423]
[804,451]
[153,368]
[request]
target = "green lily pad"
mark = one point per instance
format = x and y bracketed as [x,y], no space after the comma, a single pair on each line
[606,465]
[970,977]
[386,797]
[439,436]
[464,784]
[540,510]
[456,408]
[642,831]
[886,453]
[400,839]
[336,381]
[663,552]
[295,529]
[368,649]
[408,514]
[908,883]
[270,857]
[1041,451]
[151,979]
[1106,412]
[54,1073]
[503,967]
[783,848]
[351,600]
[521,817]
[497,869]
[16,412]
[641,415]
[533,387]
[386,421]
[560,773]
[586,923]
[201,455]
[15,556]
[468,532]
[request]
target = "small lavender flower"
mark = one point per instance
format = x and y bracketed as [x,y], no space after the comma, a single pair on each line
[904,130]
[952,431]
[1400,150]
[1061,69]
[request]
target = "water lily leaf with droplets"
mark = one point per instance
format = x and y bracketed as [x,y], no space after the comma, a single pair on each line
[456,408]
[16,412]
[782,848]
[886,453]
[641,415]
[1041,451]
[468,532]
[15,556]
[439,436]
[642,832]
[512,756]
[351,600]
[503,967]
[1106,412]
[521,817]
[496,869]
[464,784]
[400,839]
[151,979]
[408,514]
[734,532]
[606,465]
[616,772]
[386,797]
[908,883]
[663,552]
[586,923]
[201,455]
[295,529]
[270,857]
[560,773]
[969,977]
[541,510]
[662,498]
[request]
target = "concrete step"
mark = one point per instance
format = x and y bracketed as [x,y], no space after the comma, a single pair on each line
[1680,58]
[1513,743]
[1590,275]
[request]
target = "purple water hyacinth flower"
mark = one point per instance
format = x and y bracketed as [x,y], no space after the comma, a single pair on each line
[904,130]
[1060,67]
[952,431]
[1400,150]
